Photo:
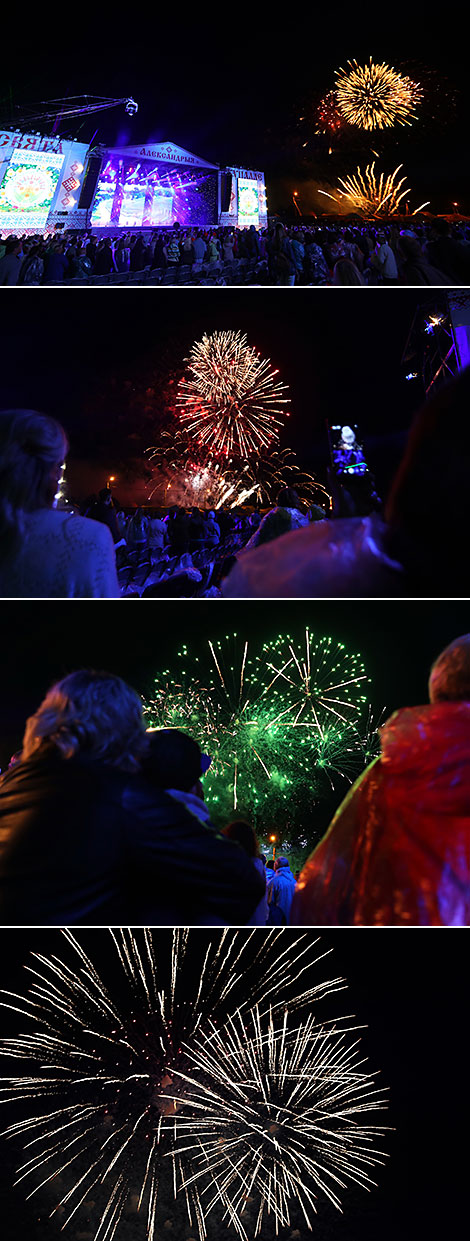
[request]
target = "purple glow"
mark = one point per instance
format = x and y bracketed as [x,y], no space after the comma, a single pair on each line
[133,193]
[462,335]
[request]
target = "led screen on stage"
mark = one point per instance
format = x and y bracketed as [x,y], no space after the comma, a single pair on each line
[28,188]
[131,214]
[104,196]
[248,203]
[131,197]
[142,194]
[162,208]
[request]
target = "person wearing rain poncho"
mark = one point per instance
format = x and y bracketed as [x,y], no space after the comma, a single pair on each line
[398,849]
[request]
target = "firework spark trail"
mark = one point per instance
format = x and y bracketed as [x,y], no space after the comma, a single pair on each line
[153,1074]
[231,401]
[371,197]
[188,475]
[229,716]
[280,1114]
[309,680]
[375,96]
[267,719]
[328,117]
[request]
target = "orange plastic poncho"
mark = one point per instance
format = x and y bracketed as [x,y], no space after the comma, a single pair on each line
[398,849]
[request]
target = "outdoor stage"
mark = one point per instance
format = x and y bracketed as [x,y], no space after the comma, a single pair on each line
[49,184]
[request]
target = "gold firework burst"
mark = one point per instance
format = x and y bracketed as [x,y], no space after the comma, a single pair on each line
[371,194]
[376,96]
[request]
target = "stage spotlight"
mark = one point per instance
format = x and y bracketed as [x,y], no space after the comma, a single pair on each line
[131,107]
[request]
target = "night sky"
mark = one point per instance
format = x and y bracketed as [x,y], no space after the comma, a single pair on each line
[230,85]
[45,640]
[339,354]
[407,990]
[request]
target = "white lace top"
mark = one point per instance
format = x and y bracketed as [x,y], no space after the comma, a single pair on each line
[61,556]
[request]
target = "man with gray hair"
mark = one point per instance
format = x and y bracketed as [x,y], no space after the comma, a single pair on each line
[397,852]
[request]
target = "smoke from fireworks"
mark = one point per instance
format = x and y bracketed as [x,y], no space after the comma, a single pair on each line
[371,195]
[231,402]
[376,96]
[275,725]
[188,476]
[188,1058]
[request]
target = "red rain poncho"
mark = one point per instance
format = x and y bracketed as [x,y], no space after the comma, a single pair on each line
[398,849]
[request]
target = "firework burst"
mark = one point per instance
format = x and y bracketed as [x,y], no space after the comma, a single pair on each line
[225,707]
[328,118]
[370,738]
[319,687]
[231,402]
[317,679]
[275,724]
[263,478]
[185,476]
[278,1118]
[116,1068]
[375,96]
[373,195]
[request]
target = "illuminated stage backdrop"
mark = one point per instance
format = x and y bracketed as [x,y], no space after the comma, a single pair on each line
[163,184]
[136,194]
[28,188]
[52,182]
[247,204]
[39,180]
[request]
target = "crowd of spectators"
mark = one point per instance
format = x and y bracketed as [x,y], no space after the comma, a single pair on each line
[413,252]
[189,551]
[141,847]
[350,546]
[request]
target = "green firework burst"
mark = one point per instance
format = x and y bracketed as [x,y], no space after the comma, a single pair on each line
[284,724]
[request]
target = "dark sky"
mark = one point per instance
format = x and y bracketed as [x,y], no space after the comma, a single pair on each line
[407,990]
[230,85]
[340,355]
[44,640]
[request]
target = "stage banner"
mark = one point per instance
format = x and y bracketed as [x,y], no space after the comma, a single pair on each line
[28,189]
[10,139]
[248,203]
[164,152]
[71,177]
[233,197]
[37,175]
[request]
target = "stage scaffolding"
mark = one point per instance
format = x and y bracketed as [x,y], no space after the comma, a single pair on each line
[438,344]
